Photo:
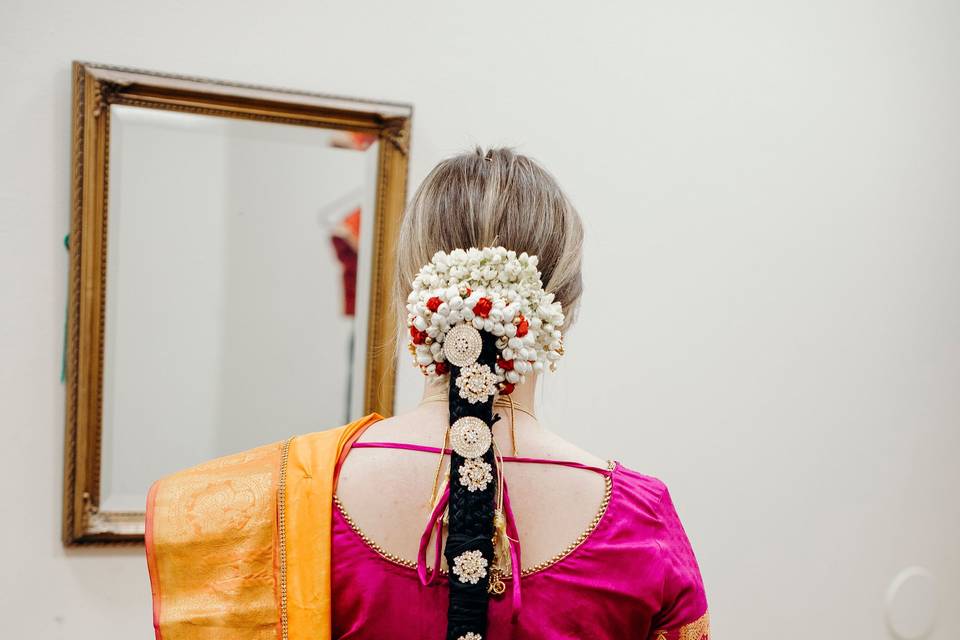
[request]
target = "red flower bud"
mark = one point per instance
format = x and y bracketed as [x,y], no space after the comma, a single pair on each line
[506,388]
[419,337]
[522,327]
[483,307]
[506,365]
[442,368]
[433,304]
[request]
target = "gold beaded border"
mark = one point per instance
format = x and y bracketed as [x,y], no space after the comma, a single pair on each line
[282,534]
[367,540]
[403,562]
[607,494]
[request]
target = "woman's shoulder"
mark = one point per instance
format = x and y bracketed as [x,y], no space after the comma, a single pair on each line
[646,490]
[683,604]
[647,499]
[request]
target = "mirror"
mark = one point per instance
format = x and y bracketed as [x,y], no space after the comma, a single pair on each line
[231,257]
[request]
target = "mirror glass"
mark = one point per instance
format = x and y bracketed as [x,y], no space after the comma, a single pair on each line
[234,312]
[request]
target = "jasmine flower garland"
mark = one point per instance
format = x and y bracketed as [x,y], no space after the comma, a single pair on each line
[494,290]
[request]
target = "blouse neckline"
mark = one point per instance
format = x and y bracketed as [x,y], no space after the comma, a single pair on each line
[613,467]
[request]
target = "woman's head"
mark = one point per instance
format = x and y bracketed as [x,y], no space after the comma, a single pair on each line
[494,198]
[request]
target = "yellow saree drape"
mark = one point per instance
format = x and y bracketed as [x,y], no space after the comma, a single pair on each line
[239,547]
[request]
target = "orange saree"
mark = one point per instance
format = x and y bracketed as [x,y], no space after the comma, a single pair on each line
[239,547]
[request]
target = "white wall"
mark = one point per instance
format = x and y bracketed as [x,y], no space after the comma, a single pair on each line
[771,197]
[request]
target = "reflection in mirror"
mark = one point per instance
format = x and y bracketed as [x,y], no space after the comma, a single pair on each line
[232,293]
[231,252]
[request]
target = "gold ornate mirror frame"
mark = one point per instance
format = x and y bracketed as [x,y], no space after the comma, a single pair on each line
[95,88]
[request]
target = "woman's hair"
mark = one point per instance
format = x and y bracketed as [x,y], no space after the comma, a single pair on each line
[497,198]
[494,198]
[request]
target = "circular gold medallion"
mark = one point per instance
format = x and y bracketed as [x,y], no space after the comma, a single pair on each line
[462,345]
[470,437]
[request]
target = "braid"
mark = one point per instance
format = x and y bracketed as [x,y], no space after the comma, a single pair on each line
[485,310]
[471,514]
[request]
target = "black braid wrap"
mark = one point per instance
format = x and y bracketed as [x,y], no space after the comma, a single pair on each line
[471,513]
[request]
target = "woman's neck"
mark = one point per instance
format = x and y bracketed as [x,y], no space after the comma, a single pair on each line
[523,396]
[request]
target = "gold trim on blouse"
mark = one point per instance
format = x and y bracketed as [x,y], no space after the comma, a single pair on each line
[403,562]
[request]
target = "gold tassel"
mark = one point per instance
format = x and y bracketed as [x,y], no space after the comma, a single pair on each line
[501,542]
[501,553]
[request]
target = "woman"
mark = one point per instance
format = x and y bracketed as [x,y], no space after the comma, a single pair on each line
[438,509]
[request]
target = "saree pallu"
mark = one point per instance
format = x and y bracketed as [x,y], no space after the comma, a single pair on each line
[238,548]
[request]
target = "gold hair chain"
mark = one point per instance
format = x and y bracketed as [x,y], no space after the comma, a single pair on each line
[436,489]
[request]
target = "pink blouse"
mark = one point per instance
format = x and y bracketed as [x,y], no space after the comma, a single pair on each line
[632,574]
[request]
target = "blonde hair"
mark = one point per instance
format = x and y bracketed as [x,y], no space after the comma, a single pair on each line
[494,198]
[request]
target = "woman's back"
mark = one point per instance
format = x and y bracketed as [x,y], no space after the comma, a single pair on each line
[463,519]
[388,491]
[602,552]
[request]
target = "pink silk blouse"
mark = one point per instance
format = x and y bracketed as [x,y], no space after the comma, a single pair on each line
[633,575]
